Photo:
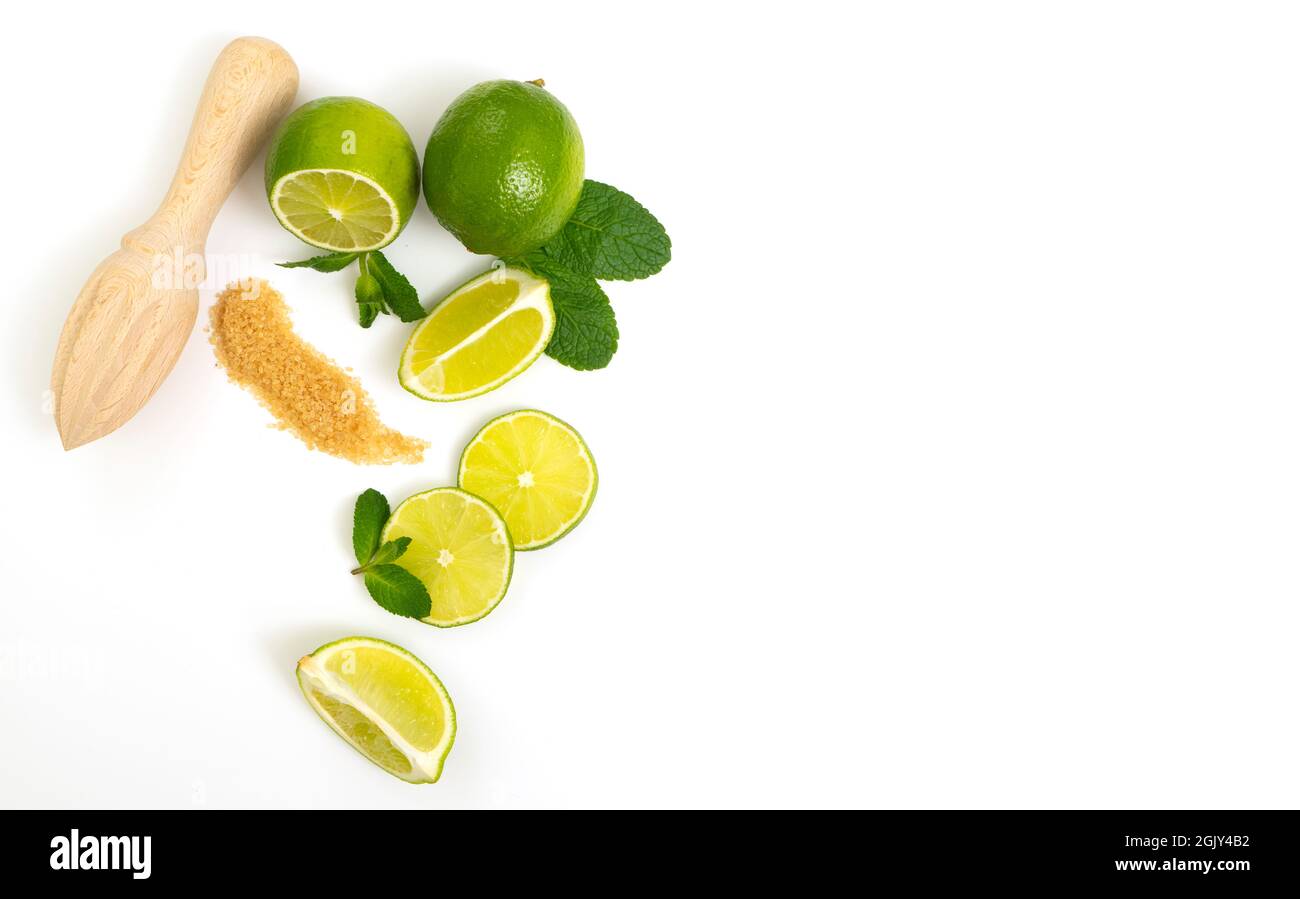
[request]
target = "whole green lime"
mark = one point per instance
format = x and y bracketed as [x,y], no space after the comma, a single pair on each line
[343,174]
[504,166]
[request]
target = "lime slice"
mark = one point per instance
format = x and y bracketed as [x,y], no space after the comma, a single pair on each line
[385,702]
[536,470]
[461,550]
[336,210]
[482,335]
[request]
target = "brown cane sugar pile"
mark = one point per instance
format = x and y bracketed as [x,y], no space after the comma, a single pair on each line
[309,395]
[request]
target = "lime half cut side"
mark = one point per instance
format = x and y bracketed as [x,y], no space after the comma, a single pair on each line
[336,210]
[483,334]
[536,470]
[384,702]
[460,549]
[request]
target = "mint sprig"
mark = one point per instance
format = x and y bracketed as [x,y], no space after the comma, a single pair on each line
[370,297]
[610,237]
[400,297]
[391,586]
[380,288]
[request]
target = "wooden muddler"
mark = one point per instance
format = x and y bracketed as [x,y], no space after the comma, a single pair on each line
[131,320]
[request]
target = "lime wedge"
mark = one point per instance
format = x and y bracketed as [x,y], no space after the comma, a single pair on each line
[460,549]
[482,335]
[336,210]
[536,470]
[385,702]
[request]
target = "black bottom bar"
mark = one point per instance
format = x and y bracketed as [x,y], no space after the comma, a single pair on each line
[1168,850]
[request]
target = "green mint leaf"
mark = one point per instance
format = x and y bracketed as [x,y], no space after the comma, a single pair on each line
[398,591]
[370,297]
[610,236]
[368,520]
[400,297]
[390,551]
[332,262]
[586,334]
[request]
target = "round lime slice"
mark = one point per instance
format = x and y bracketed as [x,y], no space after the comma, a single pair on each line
[536,470]
[460,549]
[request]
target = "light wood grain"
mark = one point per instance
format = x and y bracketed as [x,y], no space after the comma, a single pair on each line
[125,332]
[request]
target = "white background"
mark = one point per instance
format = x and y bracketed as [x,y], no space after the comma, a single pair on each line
[953,460]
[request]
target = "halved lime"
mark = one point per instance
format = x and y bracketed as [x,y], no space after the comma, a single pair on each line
[343,175]
[536,470]
[336,210]
[385,702]
[460,549]
[482,335]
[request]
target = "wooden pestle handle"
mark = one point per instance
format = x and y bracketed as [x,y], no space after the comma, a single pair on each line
[126,330]
[250,88]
